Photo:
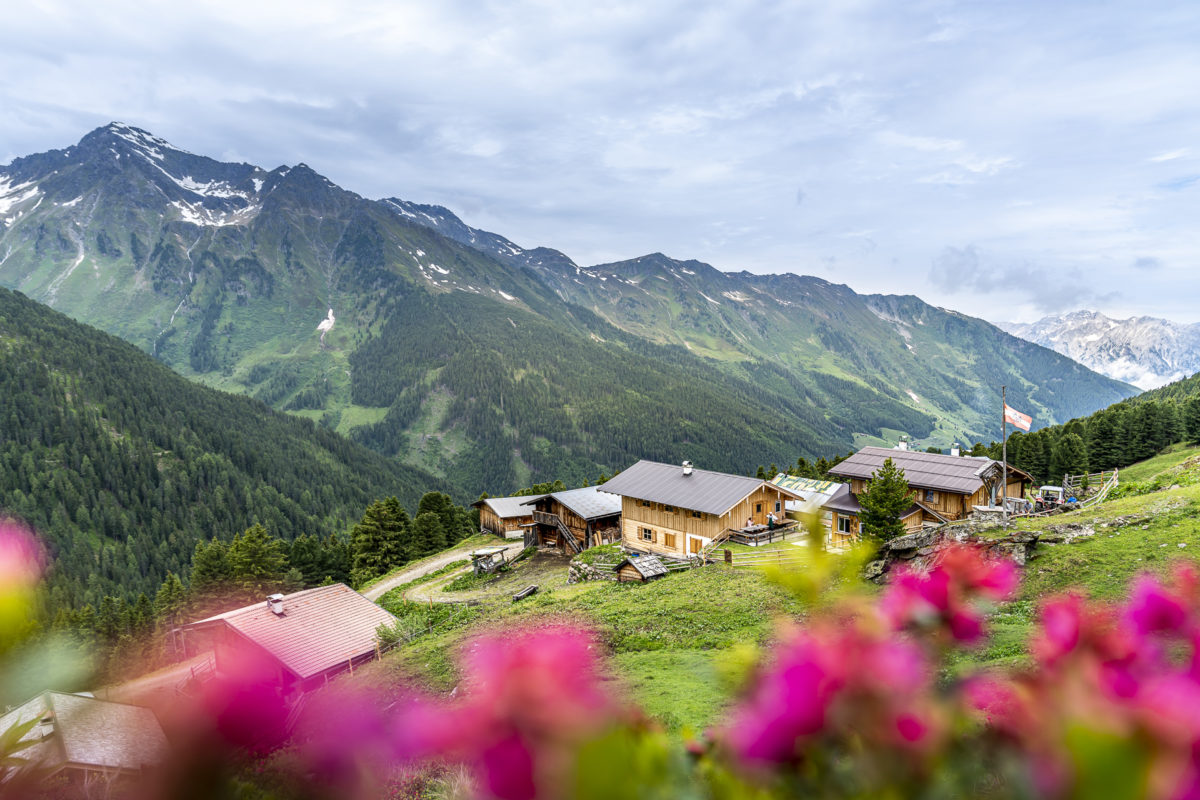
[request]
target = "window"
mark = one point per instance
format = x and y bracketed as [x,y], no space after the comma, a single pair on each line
[697,514]
[647,503]
[647,535]
[845,524]
[776,506]
[930,496]
[669,509]
[758,508]
[669,539]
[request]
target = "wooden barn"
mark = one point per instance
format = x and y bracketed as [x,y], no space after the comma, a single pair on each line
[507,517]
[576,519]
[297,641]
[640,569]
[944,488]
[675,510]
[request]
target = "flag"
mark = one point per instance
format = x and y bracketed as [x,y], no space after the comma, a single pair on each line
[1018,420]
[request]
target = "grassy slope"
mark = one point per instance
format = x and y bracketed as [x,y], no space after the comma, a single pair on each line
[668,639]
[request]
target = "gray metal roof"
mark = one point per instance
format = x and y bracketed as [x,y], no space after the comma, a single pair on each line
[703,490]
[509,507]
[87,733]
[843,500]
[959,474]
[590,502]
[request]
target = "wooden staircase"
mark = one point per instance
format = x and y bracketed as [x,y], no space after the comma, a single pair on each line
[564,533]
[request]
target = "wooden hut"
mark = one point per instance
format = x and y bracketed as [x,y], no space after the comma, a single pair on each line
[640,569]
[507,517]
[576,519]
[676,510]
[943,487]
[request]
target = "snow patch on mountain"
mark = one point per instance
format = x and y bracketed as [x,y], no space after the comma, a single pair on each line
[214,218]
[1145,351]
[13,195]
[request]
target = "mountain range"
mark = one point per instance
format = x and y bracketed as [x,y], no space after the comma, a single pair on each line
[1145,351]
[487,364]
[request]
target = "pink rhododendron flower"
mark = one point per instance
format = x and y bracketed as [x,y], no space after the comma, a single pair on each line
[22,556]
[1152,609]
[1061,628]
[789,701]
[948,593]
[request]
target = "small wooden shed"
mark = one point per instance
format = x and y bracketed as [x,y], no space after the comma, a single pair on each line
[640,569]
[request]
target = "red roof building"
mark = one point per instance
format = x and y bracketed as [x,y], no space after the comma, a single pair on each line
[304,638]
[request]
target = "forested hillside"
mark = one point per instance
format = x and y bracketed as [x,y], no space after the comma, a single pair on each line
[123,466]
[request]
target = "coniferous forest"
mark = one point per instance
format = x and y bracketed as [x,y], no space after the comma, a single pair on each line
[124,466]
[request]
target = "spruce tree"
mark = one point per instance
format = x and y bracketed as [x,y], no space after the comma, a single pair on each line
[257,561]
[1069,457]
[170,601]
[1191,419]
[210,568]
[884,499]
[428,536]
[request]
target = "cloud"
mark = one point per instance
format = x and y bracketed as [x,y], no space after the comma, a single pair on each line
[681,125]
[1147,263]
[963,269]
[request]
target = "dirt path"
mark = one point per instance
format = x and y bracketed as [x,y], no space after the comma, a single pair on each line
[432,565]
[158,685]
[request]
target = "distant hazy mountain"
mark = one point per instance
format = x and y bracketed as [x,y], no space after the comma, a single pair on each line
[1145,351]
[460,352]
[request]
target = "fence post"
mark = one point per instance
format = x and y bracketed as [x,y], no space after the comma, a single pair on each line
[728,556]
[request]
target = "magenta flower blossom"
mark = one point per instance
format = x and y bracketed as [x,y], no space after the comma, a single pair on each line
[789,702]
[22,557]
[948,595]
[1152,609]
[1061,629]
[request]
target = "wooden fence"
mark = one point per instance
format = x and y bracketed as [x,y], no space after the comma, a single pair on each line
[770,558]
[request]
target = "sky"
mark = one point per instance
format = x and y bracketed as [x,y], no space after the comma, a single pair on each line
[1008,160]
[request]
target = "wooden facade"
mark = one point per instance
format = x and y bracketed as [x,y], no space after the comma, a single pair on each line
[506,527]
[947,506]
[681,532]
[554,521]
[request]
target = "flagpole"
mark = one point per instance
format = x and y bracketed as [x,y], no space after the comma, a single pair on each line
[1004,454]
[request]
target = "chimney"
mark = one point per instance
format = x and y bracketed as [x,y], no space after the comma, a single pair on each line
[954,451]
[275,603]
[687,468]
[902,444]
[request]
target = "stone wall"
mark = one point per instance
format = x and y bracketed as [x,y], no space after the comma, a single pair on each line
[920,549]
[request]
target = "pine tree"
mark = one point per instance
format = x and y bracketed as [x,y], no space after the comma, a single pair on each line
[1191,419]
[428,536]
[210,568]
[884,499]
[1069,457]
[454,524]
[170,601]
[257,561]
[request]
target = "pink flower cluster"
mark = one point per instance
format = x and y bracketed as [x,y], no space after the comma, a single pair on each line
[531,699]
[1130,672]
[857,679]
[22,556]
[948,596]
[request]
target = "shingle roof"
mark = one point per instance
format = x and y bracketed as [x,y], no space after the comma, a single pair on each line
[703,490]
[647,566]
[960,474]
[85,732]
[320,629]
[590,502]
[509,507]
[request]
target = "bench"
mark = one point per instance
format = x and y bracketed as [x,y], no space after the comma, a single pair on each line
[526,592]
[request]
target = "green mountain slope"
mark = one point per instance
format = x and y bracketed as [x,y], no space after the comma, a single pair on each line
[491,366]
[123,465]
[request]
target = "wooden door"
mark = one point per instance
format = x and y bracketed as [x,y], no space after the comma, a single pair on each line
[695,545]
